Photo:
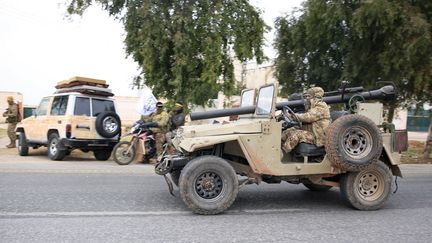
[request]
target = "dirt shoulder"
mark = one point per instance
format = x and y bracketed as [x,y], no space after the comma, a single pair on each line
[415,153]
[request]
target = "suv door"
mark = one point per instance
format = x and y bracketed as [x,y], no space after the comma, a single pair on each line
[37,125]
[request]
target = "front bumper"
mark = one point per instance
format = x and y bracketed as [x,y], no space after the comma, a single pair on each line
[89,144]
[170,163]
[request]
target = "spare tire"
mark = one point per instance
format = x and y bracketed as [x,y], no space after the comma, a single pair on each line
[353,143]
[108,124]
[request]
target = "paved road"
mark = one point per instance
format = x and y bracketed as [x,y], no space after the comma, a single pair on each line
[90,201]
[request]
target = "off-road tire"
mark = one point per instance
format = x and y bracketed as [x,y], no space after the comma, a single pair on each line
[214,173]
[108,124]
[102,155]
[175,176]
[368,189]
[315,187]
[116,157]
[22,145]
[55,150]
[353,143]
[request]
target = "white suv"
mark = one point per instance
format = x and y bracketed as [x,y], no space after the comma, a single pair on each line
[68,121]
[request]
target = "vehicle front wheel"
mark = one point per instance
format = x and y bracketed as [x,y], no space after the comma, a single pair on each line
[368,189]
[102,155]
[208,185]
[124,153]
[55,150]
[22,145]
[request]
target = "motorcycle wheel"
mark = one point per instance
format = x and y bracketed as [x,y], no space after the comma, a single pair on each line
[124,153]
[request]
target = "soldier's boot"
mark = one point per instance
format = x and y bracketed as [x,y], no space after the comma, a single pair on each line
[11,145]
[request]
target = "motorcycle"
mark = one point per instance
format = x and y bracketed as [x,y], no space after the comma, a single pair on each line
[124,152]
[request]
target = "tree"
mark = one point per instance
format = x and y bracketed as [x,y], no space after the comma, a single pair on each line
[359,41]
[185,47]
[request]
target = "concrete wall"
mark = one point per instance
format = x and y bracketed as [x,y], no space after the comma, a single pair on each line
[3,102]
[126,109]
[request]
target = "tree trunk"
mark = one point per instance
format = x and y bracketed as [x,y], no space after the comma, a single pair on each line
[428,145]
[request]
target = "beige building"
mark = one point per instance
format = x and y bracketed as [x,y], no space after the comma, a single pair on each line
[126,109]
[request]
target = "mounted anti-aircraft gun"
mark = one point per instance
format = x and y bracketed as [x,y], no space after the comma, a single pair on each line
[349,96]
[359,156]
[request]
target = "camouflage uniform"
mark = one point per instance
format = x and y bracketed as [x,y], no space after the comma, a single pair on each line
[317,114]
[11,115]
[161,117]
[176,117]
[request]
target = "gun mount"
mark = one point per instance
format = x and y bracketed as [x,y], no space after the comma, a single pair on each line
[387,92]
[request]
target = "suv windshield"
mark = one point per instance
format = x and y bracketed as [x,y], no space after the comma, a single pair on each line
[82,106]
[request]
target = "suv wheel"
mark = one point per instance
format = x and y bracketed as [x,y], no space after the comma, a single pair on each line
[353,143]
[55,150]
[368,189]
[102,155]
[208,185]
[22,145]
[108,124]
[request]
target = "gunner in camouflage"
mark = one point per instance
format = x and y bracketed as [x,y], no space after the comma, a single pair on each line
[317,114]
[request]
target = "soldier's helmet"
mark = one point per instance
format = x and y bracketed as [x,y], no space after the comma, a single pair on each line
[315,92]
[10,99]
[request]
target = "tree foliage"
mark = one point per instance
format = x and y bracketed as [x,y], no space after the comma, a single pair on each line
[359,41]
[185,47]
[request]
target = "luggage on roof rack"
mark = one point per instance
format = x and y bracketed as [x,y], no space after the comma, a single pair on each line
[79,81]
[84,86]
[86,89]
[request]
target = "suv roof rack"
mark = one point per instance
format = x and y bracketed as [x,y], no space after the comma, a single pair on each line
[85,86]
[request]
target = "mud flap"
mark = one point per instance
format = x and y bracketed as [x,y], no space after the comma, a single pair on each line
[170,185]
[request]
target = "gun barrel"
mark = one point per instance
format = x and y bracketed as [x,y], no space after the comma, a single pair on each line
[385,93]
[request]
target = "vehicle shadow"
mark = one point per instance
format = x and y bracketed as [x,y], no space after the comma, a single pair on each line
[286,196]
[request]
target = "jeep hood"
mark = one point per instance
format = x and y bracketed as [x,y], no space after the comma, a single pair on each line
[191,138]
[237,127]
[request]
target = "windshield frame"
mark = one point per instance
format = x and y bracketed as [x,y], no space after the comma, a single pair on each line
[259,100]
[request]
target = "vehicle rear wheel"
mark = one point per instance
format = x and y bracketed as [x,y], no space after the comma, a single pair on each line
[124,153]
[102,155]
[353,143]
[55,150]
[208,185]
[22,145]
[368,189]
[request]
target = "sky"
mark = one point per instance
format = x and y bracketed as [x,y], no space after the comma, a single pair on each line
[39,46]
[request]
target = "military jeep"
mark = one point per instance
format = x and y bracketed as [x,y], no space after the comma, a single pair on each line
[214,160]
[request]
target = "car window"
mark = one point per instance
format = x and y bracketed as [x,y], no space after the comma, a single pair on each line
[101,106]
[59,105]
[43,106]
[82,106]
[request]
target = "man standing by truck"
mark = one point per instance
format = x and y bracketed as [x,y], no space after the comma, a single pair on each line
[12,118]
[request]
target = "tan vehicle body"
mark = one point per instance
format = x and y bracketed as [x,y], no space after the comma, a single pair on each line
[359,157]
[258,140]
[37,127]
[72,131]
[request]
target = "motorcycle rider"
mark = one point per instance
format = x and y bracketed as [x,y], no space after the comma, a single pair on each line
[158,120]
